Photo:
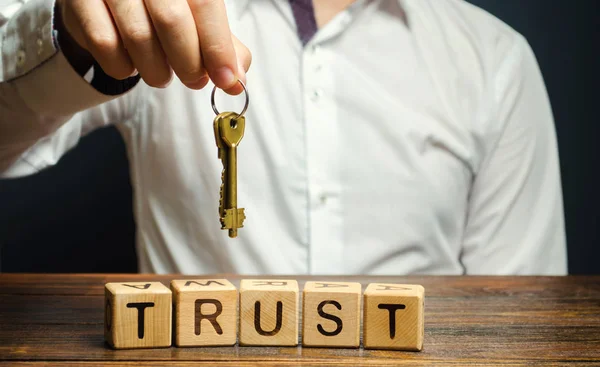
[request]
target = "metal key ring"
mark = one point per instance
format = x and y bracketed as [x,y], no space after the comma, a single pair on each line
[214,106]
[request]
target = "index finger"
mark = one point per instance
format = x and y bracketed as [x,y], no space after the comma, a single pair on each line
[215,41]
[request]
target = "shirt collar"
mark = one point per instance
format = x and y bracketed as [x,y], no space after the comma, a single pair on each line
[240,6]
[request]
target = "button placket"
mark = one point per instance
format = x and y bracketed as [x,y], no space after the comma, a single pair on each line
[322,156]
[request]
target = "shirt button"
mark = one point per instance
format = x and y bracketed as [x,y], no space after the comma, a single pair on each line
[318,67]
[40,44]
[316,95]
[323,199]
[21,57]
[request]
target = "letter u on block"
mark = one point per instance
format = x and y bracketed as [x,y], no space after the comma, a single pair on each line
[205,312]
[269,312]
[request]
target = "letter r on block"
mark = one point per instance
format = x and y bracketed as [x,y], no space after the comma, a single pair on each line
[205,312]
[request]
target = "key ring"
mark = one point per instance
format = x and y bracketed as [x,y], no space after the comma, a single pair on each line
[214,106]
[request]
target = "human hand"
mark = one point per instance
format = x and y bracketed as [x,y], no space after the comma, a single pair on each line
[157,38]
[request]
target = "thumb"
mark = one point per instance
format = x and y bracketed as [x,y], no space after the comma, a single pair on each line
[244,60]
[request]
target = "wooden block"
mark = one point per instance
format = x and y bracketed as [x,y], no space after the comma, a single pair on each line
[331,314]
[393,317]
[205,312]
[269,312]
[137,315]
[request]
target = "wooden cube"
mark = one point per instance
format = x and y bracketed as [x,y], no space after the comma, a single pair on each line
[269,312]
[393,317]
[205,312]
[137,315]
[331,314]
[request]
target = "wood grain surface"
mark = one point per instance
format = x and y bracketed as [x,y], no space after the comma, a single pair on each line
[57,320]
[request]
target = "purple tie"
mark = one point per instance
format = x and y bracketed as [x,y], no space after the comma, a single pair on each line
[304,13]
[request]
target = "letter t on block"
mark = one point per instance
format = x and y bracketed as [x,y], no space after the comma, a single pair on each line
[205,312]
[269,312]
[393,317]
[137,315]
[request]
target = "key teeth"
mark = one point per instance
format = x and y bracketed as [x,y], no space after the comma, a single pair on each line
[241,217]
[222,194]
[227,220]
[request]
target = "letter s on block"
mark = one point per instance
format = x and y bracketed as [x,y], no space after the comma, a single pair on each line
[333,318]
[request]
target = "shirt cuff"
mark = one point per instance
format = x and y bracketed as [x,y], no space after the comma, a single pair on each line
[110,86]
[95,75]
[28,40]
[33,63]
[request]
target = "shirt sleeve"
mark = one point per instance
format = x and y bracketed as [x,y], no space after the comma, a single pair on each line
[515,221]
[41,93]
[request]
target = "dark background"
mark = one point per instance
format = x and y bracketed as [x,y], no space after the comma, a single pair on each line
[77,216]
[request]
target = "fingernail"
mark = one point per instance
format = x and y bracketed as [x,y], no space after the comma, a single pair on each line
[135,73]
[226,76]
[242,72]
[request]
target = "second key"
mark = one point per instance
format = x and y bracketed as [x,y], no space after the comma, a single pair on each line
[232,132]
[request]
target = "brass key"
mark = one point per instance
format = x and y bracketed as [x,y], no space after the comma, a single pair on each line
[223,157]
[231,131]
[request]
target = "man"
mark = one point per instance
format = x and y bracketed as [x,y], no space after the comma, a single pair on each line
[383,137]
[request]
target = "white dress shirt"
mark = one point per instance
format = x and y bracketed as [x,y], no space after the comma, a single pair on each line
[407,137]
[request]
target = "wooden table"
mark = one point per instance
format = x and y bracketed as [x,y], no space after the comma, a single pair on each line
[485,321]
